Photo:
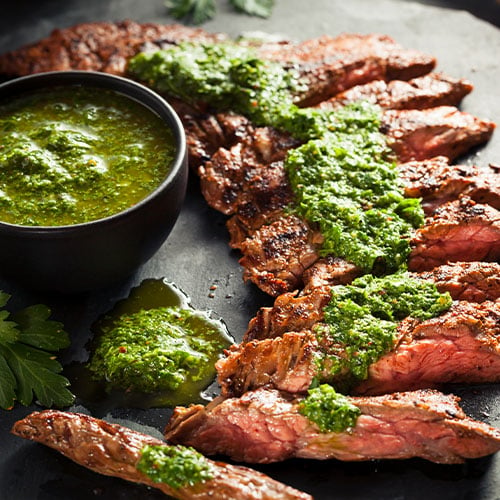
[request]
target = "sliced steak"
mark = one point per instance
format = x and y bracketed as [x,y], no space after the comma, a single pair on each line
[290,312]
[96,46]
[275,257]
[114,450]
[441,131]
[331,65]
[426,91]
[330,271]
[471,281]
[437,182]
[460,346]
[231,173]
[266,426]
[460,230]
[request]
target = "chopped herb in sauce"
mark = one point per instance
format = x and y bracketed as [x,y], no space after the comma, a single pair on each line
[176,466]
[160,349]
[344,181]
[360,321]
[75,154]
[329,410]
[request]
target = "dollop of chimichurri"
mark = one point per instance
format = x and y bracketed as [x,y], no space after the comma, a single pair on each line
[360,322]
[343,179]
[329,410]
[75,154]
[176,466]
[160,346]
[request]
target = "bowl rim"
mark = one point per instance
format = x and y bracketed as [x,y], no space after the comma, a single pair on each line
[131,89]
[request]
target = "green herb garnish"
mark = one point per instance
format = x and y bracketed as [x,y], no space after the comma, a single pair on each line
[361,321]
[199,11]
[176,466]
[28,368]
[329,410]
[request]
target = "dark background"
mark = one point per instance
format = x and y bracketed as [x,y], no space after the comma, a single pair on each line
[196,255]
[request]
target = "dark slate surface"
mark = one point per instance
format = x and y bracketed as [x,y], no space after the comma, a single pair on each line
[196,255]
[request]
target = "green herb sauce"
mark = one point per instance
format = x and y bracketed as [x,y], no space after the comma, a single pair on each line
[75,154]
[329,410]
[160,347]
[361,319]
[176,466]
[342,177]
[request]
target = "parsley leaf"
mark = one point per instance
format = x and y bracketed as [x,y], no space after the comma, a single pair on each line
[28,367]
[199,11]
[260,8]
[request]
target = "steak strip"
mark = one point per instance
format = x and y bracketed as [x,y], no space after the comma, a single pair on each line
[276,256]
[460,230]
[467,281]
[96,46]
[114,450]
[437,182]
[459,346]
[266,426]
[429,91]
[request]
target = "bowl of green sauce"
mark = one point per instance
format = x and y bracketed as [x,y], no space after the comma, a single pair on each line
[93,174]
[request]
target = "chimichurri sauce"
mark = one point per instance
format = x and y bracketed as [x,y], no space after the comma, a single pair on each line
[154,349]
[360,322]
[343,178]
[74,154]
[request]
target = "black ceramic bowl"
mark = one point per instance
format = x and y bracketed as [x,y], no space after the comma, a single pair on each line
[95,254]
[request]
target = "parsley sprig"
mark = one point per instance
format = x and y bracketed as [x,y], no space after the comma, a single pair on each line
[28,367]
[199,11]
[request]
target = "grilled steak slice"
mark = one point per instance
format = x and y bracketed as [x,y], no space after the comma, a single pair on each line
[290,312]
[461,345]
[266,426]
[330,271]
[472,281]
[441,131]
[460,230]
[426,91]
[437,182]
[330,65]
[206,133]
[414,134]
[275,257]
[114,450]
[97,46]
[232,172]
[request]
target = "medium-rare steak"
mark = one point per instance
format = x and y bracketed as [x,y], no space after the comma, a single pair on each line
[97,46]
[461,230]
[330,65]
[440,131]
[266,426]
[437,182]
[460,346]
[429,91]
[114,450]
[472,281]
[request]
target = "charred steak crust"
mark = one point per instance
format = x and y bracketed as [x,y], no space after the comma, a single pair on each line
[114,450]
[266,426]
[96,46]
